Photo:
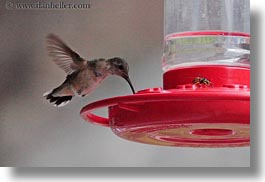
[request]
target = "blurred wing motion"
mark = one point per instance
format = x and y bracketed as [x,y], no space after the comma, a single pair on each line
[63,56]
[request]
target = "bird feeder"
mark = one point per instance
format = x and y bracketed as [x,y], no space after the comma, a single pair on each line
[205,99]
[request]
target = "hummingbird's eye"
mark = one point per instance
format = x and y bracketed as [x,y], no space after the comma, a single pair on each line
[121,67]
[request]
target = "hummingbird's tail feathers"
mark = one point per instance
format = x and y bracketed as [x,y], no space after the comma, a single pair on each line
[47,93]
[58,101]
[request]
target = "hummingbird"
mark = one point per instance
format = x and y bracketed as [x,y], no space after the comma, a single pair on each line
[83,76]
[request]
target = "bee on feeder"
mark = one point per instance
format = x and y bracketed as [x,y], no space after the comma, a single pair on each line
[202,81]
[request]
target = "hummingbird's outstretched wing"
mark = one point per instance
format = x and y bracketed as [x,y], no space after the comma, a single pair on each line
[64,56]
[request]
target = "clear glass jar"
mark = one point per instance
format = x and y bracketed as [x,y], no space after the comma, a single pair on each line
[211,32]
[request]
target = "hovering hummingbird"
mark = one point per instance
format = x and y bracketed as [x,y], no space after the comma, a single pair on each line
[83,76]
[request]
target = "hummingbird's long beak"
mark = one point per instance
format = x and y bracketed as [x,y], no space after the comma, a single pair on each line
[126,77]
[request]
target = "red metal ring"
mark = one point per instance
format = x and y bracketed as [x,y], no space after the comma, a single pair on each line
[184,34]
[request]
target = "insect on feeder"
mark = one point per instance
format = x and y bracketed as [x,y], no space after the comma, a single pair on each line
[205,99]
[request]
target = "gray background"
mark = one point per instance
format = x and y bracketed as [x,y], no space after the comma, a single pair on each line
[34,133]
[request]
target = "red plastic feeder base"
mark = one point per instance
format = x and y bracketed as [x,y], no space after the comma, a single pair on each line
[183,113]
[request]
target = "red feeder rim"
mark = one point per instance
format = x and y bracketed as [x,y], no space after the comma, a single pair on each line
[183,114]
